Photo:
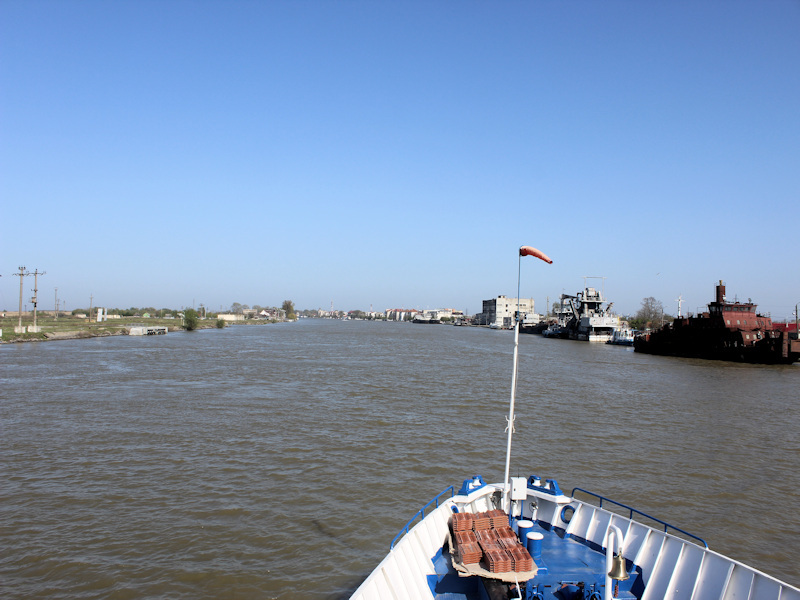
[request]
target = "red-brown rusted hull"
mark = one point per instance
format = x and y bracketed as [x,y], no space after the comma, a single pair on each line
[728,331]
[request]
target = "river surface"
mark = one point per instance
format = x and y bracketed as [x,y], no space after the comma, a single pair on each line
[279,461]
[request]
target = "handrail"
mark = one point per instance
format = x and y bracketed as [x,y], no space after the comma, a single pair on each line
[638,512]
[421,513]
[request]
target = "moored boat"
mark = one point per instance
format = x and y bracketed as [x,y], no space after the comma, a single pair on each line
[732,331]
[563,314]
[624,336]
[553,330]
[428,317]
[591,317]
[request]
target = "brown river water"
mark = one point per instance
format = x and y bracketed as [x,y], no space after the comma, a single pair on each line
[279,461]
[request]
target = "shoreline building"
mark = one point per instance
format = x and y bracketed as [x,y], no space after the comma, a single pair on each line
[400,314]
[500,312]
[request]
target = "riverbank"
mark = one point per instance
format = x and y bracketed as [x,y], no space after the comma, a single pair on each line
[76,329]
[71,328]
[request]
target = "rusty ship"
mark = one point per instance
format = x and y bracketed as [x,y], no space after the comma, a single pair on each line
[732,331]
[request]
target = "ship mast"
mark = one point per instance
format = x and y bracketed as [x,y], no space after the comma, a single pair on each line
[523,251]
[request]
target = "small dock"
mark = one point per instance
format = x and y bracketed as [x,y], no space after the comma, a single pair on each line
[147,330]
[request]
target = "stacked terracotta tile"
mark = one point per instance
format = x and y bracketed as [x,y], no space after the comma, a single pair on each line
[506,533]
[465,539]
[508,543]
[462,522]
[521,559]
[486,536]
[482,521]
[487,539]
[470,550]
[499,518]
[497,561]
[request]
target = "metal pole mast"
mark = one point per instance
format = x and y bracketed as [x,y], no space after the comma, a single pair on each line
[510,418]
[523,251]
[35,298]
[21,275]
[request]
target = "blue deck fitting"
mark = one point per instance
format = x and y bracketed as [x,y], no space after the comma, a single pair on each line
[471,484]
[549,487]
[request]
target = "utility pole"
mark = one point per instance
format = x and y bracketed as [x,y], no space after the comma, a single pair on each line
[35,298]
[22,273]
[56,317]
[90,308]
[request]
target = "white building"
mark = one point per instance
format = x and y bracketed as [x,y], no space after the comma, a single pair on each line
[230,318]
[401,314]
[500,311]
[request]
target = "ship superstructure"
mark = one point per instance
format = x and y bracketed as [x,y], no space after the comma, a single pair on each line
[591,317]
[727,331]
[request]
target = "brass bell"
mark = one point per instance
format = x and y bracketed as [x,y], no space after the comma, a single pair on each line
[618,570]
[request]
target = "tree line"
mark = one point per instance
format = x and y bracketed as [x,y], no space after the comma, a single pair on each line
[650,315]
[133,311]
[287,307]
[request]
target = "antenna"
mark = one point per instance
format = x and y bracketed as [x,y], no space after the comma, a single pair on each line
[602,285]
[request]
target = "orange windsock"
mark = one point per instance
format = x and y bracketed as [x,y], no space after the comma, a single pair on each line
[531,251]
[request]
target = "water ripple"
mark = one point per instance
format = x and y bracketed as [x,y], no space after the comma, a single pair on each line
[277,461]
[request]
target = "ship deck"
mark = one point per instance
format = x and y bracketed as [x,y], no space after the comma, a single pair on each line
[567,567]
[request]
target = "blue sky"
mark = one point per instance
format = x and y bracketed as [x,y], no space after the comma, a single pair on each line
[397,154]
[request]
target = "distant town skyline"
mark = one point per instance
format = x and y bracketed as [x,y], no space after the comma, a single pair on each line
[397,155]
[541,309]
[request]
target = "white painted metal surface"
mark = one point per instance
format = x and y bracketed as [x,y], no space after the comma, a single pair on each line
[671,566]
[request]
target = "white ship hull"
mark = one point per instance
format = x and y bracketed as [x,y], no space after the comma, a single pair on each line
[660,563]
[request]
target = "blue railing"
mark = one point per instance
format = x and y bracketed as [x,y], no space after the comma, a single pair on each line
[421,513]
[666,525]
